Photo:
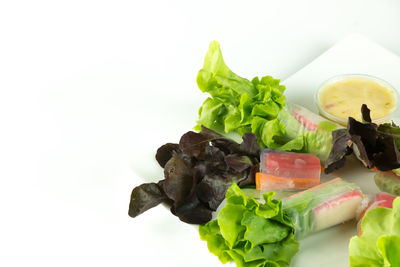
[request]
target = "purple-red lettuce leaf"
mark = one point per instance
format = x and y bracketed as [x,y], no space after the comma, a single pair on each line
[212,187]
[367,131]
[365,114]
[192,210]
[193,144]
[178,182]
[251,178]
[197,174]
[374,145]
[144,197]
[340,149]
[389,157]
[249,146]
[165,153]
[214,160]
[375,149]
[238,163]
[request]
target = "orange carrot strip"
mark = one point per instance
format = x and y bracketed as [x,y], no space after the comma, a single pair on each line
[268,182]
[258,182]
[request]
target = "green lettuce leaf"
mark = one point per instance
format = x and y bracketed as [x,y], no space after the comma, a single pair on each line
[380,240]
[235,101]
[219,81]
[250,233]
[211,113]
[258,106]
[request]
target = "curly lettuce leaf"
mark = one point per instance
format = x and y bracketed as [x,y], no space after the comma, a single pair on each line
[388,182]
[258,106]
[380,240]
[250,233]
[235,101]
[218,80]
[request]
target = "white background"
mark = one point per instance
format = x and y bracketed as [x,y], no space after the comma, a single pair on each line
[90,89]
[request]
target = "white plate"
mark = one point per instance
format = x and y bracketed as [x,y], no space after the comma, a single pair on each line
[354,54]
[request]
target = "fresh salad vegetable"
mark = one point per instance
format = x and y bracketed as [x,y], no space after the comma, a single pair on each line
[250,233]
[197,173]
[258,106]
[379,200]
[375,145]
[236,103]
[380,240]
[388,182]
[323,206]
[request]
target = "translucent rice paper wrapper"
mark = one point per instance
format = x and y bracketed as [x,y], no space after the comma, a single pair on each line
[323,206]
[287,171]
[315,130]
[258,194]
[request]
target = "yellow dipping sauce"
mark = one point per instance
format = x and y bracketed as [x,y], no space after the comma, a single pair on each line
[344,98]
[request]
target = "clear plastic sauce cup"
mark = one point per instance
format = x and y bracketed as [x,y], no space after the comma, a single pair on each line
[350,91]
